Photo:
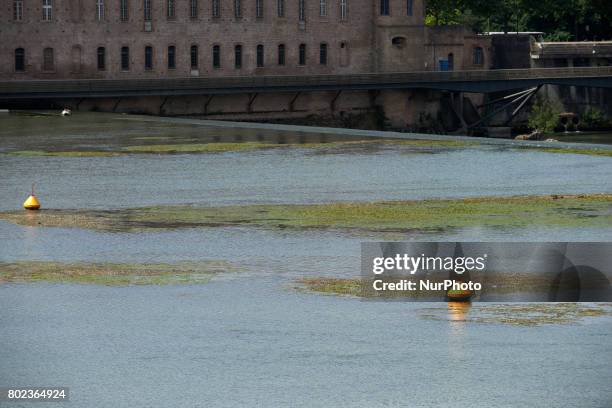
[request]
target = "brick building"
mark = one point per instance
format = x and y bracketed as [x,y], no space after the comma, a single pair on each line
[166,38]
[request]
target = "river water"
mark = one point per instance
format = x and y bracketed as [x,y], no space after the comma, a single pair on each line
[249,338]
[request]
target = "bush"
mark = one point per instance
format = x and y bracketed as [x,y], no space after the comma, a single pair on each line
[544,116]
[593,118]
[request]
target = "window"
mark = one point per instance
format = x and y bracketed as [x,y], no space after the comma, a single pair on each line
[48,64]
[101,58]
[409,7]
[322,7]
[147,10]
[170,9]
[323,54]
[171,57]
[260,56]
[216,9]
[18,10]
[259,8]
[148,58]
[46,10]
[194,56]
[343,9]
[237,10]
[193,9]
[281,54]
[451,61]
[125,59]
[19,60]
[478,56]
[280,8]
[124,10]
[301,12]
[238,56]
[302,57]
[216,57]
[99,10]
[384,7]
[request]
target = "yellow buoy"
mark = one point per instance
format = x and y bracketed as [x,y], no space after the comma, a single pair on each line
[32,202]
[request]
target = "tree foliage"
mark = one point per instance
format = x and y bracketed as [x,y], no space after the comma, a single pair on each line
[571,20]
[544,116]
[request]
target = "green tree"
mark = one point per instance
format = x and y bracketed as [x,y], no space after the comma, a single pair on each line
[544,116]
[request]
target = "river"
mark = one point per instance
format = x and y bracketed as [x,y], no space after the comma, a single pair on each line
[250,338]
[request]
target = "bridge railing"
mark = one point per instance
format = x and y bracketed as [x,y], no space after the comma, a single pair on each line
[258,83]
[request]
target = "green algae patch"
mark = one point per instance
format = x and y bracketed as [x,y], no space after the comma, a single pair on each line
[516,314]
[199,147]
[590,152]
[423,146]
[42,153]
[113,273]
[572,211]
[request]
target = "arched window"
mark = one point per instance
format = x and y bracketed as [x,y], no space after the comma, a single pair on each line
[19,59]
[148,58]
[384,7]
[124,10]
[100,10]
[238,56]
[260,55]
[193,9]
[125,58]
[101,58]
[194,56]
[280,8]
[302,56]
[478,56]
[451,61]
[216,56]
[47,8]
[323,54]
[409,7]
[171,57]
[259,8]
[237,9]
[170,9]
[48,63]
[281,54]
[216,8]
[322,8]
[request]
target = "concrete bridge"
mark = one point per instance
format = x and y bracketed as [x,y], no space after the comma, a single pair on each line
[488,81]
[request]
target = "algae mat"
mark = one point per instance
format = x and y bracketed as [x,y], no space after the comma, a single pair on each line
[593,210]
[113,273]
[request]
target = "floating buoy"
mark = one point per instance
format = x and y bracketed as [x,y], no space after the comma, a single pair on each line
[32,202]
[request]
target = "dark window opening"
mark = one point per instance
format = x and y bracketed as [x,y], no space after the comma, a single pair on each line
[125,58]
[19,60]
[148,58]
[260,56]
[238,56]
[101,58]
[281,54]
[323,54]
[194,56]
[216,57]
[302,56]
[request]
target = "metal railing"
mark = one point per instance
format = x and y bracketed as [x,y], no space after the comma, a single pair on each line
[286,82]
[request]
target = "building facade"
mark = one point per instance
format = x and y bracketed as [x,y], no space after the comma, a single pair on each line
[114,39]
